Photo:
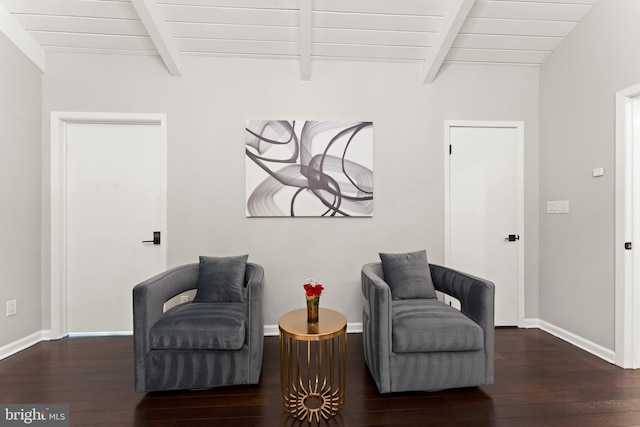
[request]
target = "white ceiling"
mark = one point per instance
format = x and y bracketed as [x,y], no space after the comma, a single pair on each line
[428,31]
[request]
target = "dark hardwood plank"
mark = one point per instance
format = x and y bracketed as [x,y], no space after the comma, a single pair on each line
[540,381]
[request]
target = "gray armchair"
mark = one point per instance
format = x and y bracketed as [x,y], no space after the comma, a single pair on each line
[423,344]
[198,344]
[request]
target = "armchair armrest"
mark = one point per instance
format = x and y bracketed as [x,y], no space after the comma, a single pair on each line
[476,295]
[148,303]
[254,278]
[377,323]
[149,296]
[477,301]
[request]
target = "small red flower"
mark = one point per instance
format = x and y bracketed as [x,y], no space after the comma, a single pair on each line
[314,289]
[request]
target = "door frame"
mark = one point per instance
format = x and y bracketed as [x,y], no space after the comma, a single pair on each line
[627,302]
[519,127]
[58,198]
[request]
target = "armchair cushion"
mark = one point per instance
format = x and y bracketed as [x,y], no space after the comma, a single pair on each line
[202,326]
[221,279]
[408,275]
[429,325]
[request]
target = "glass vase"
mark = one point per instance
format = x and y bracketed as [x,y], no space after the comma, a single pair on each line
[313,303]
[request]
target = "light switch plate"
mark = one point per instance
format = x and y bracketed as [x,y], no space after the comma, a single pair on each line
[558,207]
[12,307]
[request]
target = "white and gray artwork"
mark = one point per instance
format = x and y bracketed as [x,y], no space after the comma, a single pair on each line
[309,168]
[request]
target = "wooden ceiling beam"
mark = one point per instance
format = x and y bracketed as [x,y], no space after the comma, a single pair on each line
[453,20]
[16,33]
[154,22]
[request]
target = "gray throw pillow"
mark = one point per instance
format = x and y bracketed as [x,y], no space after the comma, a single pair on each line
[408,275]
[221,279]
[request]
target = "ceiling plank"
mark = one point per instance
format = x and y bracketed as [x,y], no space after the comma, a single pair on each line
[533,11]
[82,25]
[232,32]
[492,41]
[305,40]
[156,26]
[373,37]
[89,9]
[517,27]
[357,21]
[496,56]
[368,52]
[591,2]
[453,20]
[240,16]
[241,4]
[243,47]
[384,7]
[16,33]
[93,51]
[94,41]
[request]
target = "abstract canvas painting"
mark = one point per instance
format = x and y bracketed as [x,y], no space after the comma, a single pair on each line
[309,168]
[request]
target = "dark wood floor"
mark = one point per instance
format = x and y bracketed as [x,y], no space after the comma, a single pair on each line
[540,381]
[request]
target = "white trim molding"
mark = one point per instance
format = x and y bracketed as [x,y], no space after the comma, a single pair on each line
[59,122]
[101,334]
[586,345]
[24,343]
[627,302]
[530,323]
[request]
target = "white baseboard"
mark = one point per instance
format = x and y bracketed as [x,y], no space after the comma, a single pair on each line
[271,331]
[530,323]
[584,344]
[22,343]
[354,328]
[99,334]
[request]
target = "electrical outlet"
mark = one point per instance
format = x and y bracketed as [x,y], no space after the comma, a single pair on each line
[184,298]
[12,307]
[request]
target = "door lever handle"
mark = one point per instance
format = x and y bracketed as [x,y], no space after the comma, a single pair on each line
[512,238]
[156,238]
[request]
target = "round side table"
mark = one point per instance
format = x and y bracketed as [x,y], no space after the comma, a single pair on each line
[313,358]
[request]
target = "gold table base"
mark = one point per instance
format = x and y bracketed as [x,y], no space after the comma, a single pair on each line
[313,364]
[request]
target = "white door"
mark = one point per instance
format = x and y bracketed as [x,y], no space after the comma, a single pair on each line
[634,344]
[114,182]
[485,209]
[627,226]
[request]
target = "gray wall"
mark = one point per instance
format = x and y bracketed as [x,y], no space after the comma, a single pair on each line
[207,108]
[578,83]
[20,188]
